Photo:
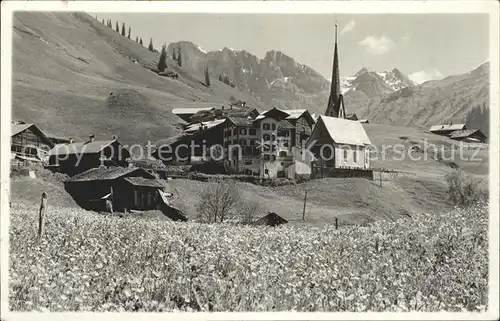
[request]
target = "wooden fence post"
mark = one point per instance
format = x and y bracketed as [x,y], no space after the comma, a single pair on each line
[304,211]
[41,216]
[336,223]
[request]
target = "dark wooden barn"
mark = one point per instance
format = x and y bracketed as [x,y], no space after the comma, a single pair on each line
[75,158]
[124,188]
[29,143]
[128,188]
[271,219]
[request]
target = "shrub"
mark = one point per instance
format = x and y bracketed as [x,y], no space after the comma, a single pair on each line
[464,189]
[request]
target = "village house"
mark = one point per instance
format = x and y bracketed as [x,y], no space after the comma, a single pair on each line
[446,130]
[339,143]
[469,136]
[186,113]
[77,157]
[29,144]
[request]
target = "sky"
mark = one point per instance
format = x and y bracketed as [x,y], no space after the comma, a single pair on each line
[425,46]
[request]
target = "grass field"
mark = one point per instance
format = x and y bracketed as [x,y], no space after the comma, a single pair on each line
[90,262]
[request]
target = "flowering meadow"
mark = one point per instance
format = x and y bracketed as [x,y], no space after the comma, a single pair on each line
[91,262]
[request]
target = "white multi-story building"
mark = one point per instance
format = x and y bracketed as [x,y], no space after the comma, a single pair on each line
[271,145]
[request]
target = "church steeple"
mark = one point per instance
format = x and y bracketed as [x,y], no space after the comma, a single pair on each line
[335,106]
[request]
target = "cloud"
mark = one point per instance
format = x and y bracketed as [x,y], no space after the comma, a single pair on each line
[424,75]
[405,39]
[378,45]
[348,27]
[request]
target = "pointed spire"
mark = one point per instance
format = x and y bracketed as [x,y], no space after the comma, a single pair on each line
[335,31]
[334,100]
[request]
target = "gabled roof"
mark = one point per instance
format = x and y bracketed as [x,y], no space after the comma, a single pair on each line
[271,219]
[271,111]
[285,124]
[104,174]
[294,113]
[80,148]
[464,133]
[452,127]
[240,121]
[341,131]
[141,181]
[187,111]
[203,125]
[297,113]
[18,128]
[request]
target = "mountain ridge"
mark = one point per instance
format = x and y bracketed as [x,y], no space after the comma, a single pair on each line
[279,80]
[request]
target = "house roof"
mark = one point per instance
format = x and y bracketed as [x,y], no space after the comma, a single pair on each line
[104,174]
[342,131]
[464,133]
[240,121]
[271,219]
[80,148]
[451,127]
[18,128]
[187,111]
[141,181]
[294,113]
[207,124]
[285,124]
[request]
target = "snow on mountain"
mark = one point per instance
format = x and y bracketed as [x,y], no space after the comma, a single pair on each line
[201,49]
[394,80]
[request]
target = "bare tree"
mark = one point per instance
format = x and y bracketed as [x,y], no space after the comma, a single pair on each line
[220,201]
[248,210]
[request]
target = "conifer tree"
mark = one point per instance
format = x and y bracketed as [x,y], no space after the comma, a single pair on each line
[179,58]
[162,63]
[102,20]
[150,47]
[137,39]
[129,32]
[174,57]
[117,28]
[140,42]
[220,78]
[123,29]
[207,75]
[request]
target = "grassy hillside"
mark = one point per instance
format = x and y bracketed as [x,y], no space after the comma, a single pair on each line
[74,76]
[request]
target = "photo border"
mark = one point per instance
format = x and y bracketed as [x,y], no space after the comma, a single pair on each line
[252,7]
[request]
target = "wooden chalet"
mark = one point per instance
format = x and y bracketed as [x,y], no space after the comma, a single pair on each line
[271,219]
[186,113]
[446,130]
[28,143]
[469,136]
[75,158]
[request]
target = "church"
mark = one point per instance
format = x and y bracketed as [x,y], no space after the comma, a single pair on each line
[338,142]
